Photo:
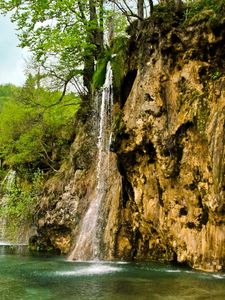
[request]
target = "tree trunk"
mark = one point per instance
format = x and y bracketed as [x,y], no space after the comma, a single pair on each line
[140,11]
[151,7]
[95,37]
[140,8]
[178,6]
[101,25]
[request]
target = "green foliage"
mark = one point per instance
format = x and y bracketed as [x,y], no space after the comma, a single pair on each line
[164,15]
[35,131]
[120,25]
[100,72]
[216,75]
[64,36]
[116,22]
[197,10]
[195,6]
[19,204]
[6,91]
[119,49]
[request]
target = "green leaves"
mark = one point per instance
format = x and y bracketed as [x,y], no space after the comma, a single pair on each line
[31,130]
[57,32]
[99,74]
[19,204]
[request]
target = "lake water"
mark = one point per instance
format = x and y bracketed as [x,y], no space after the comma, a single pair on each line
[48,278]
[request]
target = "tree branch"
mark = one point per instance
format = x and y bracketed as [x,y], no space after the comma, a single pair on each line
[126,11]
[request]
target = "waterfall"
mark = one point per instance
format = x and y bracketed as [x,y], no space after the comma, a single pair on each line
[88,240]
[7,185]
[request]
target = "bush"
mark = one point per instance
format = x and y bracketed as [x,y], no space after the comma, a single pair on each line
[18,204]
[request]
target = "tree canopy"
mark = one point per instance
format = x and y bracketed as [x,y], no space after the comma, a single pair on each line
[31,131]
[63,35]
[66,36]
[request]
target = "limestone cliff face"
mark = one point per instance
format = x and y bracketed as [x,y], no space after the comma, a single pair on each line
[165,198]
[171,150]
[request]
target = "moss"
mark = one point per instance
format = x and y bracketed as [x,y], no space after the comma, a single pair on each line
[164,15]
[100,72]
[209,11]
[216,75]
[203,113]
[117,54]
[203,15]
[213,22]
[119,48]
[161,252]
[118,124]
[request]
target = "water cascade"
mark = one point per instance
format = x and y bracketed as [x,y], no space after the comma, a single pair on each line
[88,240]
[7,186]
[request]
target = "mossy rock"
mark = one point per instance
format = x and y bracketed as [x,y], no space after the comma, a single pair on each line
[119,51]
[202,16]
[118,124]
[203,113]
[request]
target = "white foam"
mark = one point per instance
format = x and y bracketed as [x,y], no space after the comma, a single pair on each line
[97,269]
[121,262]
[173,271]
[217,276]
[190,272]
[5,243]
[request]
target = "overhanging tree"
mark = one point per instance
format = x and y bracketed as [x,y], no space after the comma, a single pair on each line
[64,36]
[134,8]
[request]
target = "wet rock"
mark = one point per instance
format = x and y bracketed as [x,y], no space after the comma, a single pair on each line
[178,209]
[165,199]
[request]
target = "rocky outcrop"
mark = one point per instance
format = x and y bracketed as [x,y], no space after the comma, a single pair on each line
[165,197]
[171,150]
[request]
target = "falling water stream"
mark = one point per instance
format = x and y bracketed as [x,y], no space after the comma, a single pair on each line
[7,185]
[88,240]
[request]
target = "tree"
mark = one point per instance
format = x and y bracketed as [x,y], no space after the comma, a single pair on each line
[64,36]
[6,92]
[138,9]
[31,130]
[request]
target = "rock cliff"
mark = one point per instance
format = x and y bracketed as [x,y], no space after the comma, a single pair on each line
[165,200]
[171,150]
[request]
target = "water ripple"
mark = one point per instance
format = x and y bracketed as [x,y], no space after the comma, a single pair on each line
[96,269]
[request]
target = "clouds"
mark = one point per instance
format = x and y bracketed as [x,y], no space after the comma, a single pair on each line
[12,58]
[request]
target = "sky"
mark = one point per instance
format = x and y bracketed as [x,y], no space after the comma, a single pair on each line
[12,58]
